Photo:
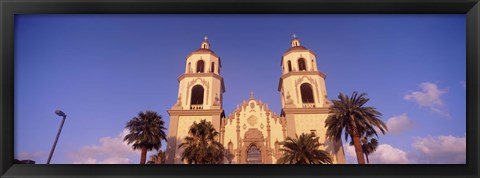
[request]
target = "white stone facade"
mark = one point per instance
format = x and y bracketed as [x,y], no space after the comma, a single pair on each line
[252,133]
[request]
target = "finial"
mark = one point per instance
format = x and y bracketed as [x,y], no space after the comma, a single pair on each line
[205,44]
[251,94]
[295,41]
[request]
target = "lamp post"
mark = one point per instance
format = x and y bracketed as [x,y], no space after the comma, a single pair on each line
[62,114]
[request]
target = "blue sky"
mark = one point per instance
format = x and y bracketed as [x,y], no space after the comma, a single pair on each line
[101,70]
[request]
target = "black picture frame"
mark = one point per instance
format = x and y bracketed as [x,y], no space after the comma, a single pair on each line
[9,8]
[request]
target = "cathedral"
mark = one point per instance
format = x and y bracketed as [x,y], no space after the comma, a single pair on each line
[251,134]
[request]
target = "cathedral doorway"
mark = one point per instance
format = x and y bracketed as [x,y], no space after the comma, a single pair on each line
[253,149]
[254,155]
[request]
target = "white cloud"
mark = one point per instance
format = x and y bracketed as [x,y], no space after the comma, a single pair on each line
[425,150]
[350,154]
[30,155]
[385,154]
[429,97]
[397,124]
[441,149]
[110,150]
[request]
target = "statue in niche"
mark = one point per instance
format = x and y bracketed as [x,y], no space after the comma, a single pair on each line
[327,101]
[288,100]
[179,101]
[217,100]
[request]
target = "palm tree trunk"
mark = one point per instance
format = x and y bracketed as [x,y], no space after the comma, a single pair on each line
[358,146]
[143,156]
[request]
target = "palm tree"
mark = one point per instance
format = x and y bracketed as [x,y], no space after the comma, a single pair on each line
[146,133]
[303,150]
[158,158]
[368,147]
[350,116]
[201,146]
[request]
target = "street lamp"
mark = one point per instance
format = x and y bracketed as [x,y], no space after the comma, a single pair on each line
[62,114]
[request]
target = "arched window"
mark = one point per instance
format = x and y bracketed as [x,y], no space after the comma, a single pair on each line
[301,65]
[254,155]
[212,69]
[200,66]
[189,69]
[289,66]
[307,93]
[197,95]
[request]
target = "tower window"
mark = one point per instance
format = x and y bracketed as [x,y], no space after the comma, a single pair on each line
[189,69]
[197,95]
[301,65]
[307,93]
[289,66]
[213,67]
[200,66]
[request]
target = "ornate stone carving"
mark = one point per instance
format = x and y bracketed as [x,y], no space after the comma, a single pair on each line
[310,79]
[198,80]
[217,100]
[179,101]
[327,101]
[252,120]
[288,99]
[203,82]
[178,105]
[253,135]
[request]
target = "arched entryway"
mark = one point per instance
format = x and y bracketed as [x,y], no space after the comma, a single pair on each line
[254,150]
[254,155]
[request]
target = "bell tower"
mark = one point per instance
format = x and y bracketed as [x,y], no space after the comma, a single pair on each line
[200,96]
[305,104]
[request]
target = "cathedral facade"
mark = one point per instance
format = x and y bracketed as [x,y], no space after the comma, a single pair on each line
[252,133]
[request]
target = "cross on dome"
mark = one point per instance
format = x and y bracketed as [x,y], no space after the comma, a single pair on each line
[295,41]
[205,44]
